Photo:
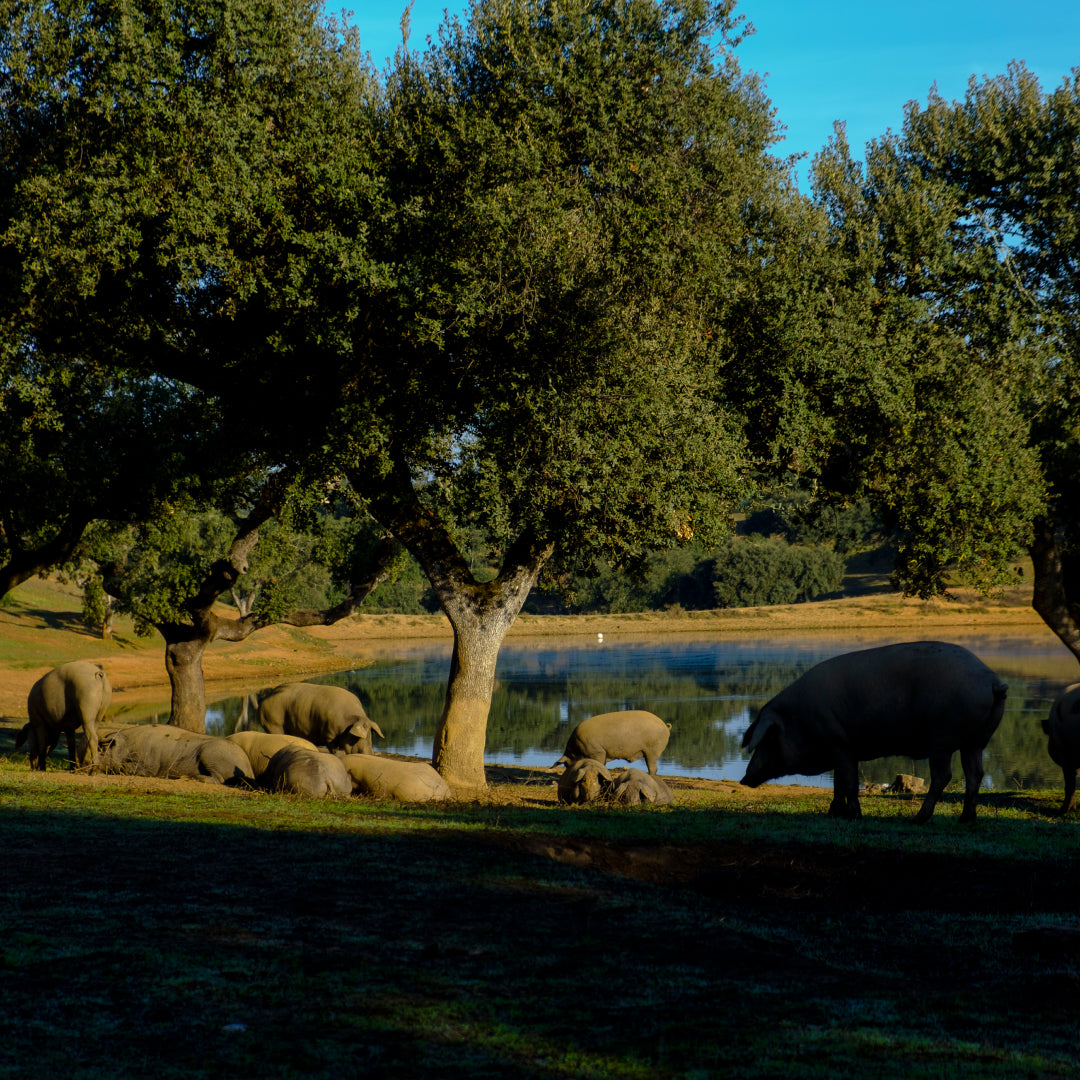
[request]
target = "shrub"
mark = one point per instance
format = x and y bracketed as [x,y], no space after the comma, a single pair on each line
[753,573]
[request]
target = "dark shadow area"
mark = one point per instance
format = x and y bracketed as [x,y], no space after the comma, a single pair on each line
[506,951]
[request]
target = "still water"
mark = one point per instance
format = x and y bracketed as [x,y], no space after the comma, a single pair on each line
[708,689]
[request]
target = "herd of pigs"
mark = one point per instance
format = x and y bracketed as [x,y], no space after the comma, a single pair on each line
[919,699]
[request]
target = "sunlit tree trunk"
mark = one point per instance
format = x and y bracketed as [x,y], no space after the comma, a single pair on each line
[184,648]
[480,615]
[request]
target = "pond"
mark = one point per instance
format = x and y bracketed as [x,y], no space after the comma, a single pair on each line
[708,689]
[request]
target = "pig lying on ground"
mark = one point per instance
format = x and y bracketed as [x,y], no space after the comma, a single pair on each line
[632,786]
[1063,727]
[261,747]
[918,699]
[309,772]
[382,777]
[327,716]
[72,695]
[174,753]
[624,736]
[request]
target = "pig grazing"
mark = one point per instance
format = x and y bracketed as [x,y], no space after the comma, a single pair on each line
[583,781]
[624,736]
[920,699]
[327,716]
[308,772]
[72,695]
[1063,727]
[175,754]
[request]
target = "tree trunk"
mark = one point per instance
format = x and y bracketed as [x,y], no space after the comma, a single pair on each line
[185,643]
[184,647]
[479,612]
[479,629]
[1051,599]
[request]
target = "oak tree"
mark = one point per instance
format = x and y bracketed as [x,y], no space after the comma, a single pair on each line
[965,226]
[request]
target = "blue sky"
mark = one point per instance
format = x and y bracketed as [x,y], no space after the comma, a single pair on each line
[852,60]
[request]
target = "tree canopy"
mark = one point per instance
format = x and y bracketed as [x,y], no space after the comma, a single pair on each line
[544,283]
[577,190]
[168,203]
[964,227]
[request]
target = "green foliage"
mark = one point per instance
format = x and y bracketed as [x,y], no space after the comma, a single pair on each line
[947,455]
[407,591]
[752,573]
[743,572]
[1006,157]
[176,181]
[154,568]
[802,517]
[97,606]
[577,181]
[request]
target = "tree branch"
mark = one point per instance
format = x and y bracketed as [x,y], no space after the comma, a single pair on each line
[359,591]
[24,564]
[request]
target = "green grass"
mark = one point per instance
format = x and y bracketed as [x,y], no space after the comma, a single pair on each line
[178,934]
[194,933]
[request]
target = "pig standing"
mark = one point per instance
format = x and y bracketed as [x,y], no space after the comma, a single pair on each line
[624,736]
[325,715]
[921,699]
[74,694]
[1063,727]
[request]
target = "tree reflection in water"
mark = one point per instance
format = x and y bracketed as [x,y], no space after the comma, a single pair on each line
[708,689]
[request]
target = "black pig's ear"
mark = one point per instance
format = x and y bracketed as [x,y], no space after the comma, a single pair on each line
[761,727]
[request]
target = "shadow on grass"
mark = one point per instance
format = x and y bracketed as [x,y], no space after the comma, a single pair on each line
[359,943]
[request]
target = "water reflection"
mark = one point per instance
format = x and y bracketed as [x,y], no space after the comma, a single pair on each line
[708,689]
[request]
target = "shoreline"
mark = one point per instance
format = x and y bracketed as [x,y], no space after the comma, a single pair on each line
[40,628]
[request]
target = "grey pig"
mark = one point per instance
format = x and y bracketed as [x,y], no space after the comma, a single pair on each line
[920,699]
[583,781]
[625,736]
[384,777]
[261,747]
[325,715]
[311,773]
[174,753]
[632,786]
[71,695]
[1063,727]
